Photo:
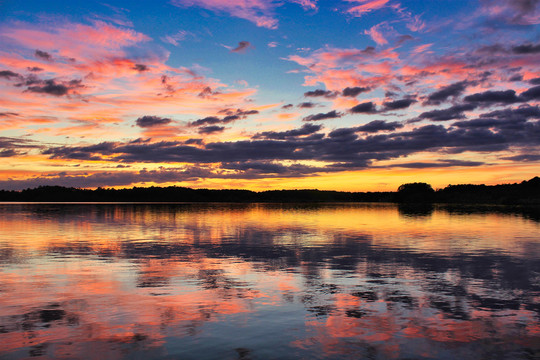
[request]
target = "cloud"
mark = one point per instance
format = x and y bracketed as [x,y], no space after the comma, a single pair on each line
[398,104]
[439,164]
[259,12]
[367,107]
[205,130]
[231,115]
[323,116]
[526,49]
[51,87]
[531,94]
[306,105]
[13,146]
[522,112]
[379,125]
[306,129]
[451,113]
[306,4]
[493,97]
[523,157]
[7,74]
[8,114]
[43,55]
[148,121]
[140,67]
[452,90]
[366,6]
[209,120]
[354,91]
[320,93]
[177,38]
[376,34]
[341,150]
[242,47]
[515,12]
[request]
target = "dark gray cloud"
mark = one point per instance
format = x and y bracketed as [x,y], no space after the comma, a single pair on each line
[379,125]
[140,67]
[211,129]
[306,129]
[516,77]
[43,55]
[8,114]
[287,106]
[8,74]
[232,115]
[493,97]
[238,112]
[526,49]
[451,113]
[194,141]
[151,121]
[354,91]
[367,107]
[522,112]
[242,47]
[342,149]
[398,104]
[323,116]
[452,90]
[8,153]
[207,92]
[523,157]
[34,69]
[51,87]
[209,120]
[306,105]
[344,134]
[321,93]
[438,164]
[531,94]
[535,81]
[13,146]
[341,146]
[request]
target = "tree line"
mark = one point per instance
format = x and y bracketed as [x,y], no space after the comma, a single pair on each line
[524,193]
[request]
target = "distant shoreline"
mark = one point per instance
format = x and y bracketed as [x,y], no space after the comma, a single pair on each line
[524,193]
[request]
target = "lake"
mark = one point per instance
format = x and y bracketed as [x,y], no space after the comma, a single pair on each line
[268,281]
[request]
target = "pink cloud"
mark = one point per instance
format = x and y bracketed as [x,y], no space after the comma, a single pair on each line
[376,34]
[91,76]
[259,12]
[306,4]
[366,6]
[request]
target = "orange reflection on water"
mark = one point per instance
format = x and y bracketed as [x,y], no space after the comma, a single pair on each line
[298,281]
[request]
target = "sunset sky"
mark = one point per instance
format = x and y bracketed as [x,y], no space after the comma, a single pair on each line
[353,95]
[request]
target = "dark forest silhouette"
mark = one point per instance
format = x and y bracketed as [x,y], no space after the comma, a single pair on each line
[524,193]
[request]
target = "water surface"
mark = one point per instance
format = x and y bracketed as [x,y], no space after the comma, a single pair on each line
[229,281]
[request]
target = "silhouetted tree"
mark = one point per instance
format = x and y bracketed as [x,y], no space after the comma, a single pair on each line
[415,193]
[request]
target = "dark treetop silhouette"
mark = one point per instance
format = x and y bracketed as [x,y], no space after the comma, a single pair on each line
[524,193]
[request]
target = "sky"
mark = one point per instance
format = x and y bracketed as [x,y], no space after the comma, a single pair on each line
[350,95]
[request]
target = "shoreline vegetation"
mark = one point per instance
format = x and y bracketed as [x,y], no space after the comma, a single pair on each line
[525,193]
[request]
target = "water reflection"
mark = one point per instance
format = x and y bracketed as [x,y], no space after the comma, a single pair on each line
[267,281]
